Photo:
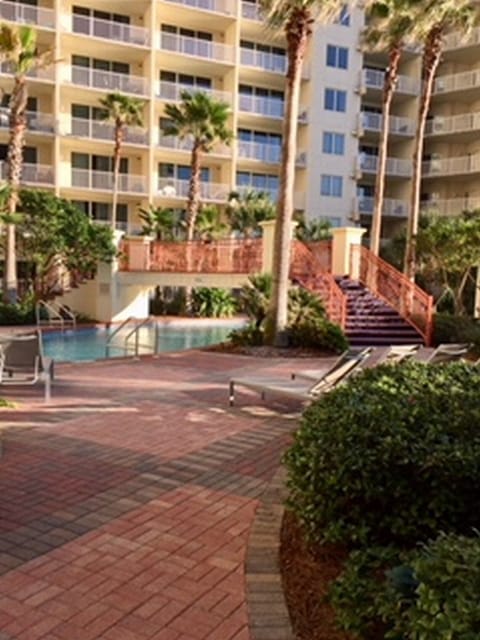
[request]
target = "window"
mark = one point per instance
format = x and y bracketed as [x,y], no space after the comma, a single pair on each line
[337,56]
[331,186]
[101,211]
[258,181]
[181,172]
[101,65]
[97,163]
[344,17]
[198,82]
[333,143]
[335,100]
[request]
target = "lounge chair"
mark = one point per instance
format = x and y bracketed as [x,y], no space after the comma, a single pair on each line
[22,362]
[394,354]
[298,389]
[448,352]
[319,374]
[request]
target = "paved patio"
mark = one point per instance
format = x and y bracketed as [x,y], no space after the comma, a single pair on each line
[126,504]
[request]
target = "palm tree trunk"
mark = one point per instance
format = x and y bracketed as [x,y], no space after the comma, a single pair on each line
[390,83]
[17,106]
[193,202]
[430,62]
[297,32]
[116,170]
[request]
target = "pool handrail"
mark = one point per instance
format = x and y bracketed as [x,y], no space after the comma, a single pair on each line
[135,331]
[114,333]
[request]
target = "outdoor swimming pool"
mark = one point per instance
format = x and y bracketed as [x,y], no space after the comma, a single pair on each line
[90,344]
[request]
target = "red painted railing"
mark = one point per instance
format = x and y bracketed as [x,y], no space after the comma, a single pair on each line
[306,269]
[384,281]
[322,250]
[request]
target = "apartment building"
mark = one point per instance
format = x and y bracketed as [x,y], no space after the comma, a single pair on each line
[153,49]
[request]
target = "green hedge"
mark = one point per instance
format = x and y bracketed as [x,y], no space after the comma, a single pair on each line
[392,456]
[449,328]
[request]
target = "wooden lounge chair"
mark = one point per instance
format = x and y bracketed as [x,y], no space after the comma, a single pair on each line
[22,362]
[297,389]
[448,352]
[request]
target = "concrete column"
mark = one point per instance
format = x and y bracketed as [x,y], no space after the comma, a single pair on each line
[138,253]
[268,234]
[344,262]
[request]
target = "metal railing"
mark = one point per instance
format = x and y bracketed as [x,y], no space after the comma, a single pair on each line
[268,153]
[109,81]
[375,78]
[174,188]
[110,30]
[31,173]
[269,107]
[391,207]
[450,206]
[87,128]
[54,314]
[136,332]
[264,60]
[251,11]
[226,7]
[397,124]
[37,122]
[441,125]
[26,14]
[457,82]
[197,47]
[103,180]
[451,166]
[108,343]
[186,144]
[388,284]
[172,91]
[395,166]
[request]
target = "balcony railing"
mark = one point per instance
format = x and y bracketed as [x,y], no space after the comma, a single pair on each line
[173,188]
[36,122]
[391,208]
[457,82]
[269,107]
[450,206]
[268,153]
[451,166]
[172,91]
[457,40]
[109,81]
[196,47]
[85,128]
[262,60]
[110,30]
[216,6]
[47,74]
[454,124]
[173,142]
[251,11]
[103,180]
[397,125]
[31,173]
[25,14]
[374,79]
[395,166]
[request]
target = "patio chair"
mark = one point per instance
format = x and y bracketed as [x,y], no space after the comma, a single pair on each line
[22,362]
[319,374]
[448,352]
[297,389]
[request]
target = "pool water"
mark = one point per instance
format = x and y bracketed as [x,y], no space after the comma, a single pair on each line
[90,344]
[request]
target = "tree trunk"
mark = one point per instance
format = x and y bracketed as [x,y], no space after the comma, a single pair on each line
[17,106]
[390,83]
[430,62]
[193,202]
[116,169]
[297,32]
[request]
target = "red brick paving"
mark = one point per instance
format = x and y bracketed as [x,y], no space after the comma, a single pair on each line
[127,503]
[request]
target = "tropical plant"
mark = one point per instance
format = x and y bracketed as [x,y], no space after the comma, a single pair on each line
[246,211]
[439,16]
[295,19]
[313,230]
[163,223]
[203,120]
[390,26]
[209,224]
[209,302]
[122,111]
[18,48]
[255,296]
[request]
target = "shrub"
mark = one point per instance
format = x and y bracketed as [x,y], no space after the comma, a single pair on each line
[318,333]
[17,314]
[168,301]
[429,593]
[251,335]
[213,303]
[393,455]
[449,328]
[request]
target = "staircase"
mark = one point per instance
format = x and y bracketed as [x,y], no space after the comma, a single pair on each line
[370,321]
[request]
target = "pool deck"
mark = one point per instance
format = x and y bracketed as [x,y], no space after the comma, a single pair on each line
[126,504]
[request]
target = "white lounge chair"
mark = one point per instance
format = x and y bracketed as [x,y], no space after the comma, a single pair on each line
[22,362]
[298,389]
[448,352]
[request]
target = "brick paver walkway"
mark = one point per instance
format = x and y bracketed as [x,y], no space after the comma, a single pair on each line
[126,504]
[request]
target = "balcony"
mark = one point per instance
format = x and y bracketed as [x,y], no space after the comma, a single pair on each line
[173,142]
[171,91]
[268,107]
[36,122]
[251,11]
[225,7]
[458,40]
[374,79]
[110,30]
[450,206]
[457,82]
[96,129]
[196,47]
[248,188]
[463,123]
[172,188]
[391,208]
[38,174]
[272,62]
[47,75]
[103,181]
[395,166]
[26,14]
[397,124]
[108,81]
[268,153]
[451,166]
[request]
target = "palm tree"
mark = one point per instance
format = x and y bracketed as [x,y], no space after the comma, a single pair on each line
[159,221]
[441,16]
[209,224]
[245,211]
[295,18]
[203,120]
[390,27]
[121,111]
[18,48]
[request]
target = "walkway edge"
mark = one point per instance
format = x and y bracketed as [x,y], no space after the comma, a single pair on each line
[267,609]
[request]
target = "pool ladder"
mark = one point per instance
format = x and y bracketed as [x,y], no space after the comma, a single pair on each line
[134,332]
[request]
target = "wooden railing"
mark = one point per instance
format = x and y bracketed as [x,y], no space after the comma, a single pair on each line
[308,270]
[221,256]
[385,282]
